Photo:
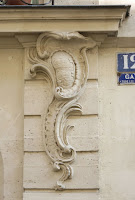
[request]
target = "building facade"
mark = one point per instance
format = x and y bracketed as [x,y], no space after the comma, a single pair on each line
[67,125]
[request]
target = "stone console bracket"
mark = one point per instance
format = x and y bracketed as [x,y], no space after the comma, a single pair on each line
[61,57]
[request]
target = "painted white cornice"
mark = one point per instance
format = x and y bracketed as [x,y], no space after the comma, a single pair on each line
[27,19]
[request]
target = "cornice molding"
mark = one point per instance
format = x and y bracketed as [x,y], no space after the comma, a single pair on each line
[61,18]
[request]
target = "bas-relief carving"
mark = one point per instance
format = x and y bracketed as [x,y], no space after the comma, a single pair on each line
[61,57]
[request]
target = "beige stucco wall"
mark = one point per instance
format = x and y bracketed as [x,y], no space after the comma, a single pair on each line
[76,2]
[117,152]
[127,30]
[1,178]
[11,121]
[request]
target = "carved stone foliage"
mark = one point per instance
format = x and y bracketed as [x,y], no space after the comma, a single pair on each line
[61,57]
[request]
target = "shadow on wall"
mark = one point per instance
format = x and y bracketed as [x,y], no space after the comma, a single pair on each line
[1,178]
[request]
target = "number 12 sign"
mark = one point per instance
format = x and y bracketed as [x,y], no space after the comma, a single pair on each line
[126,62]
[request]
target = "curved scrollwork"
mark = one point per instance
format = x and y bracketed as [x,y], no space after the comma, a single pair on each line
[62,58]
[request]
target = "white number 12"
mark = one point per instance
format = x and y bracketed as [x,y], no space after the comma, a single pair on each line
[132,59]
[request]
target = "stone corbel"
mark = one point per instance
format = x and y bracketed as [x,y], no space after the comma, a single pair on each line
[61,57]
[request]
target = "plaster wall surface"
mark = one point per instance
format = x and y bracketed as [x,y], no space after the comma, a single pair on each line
[76,2]
[11,121]
[1,178]
[116,114]
[127,29]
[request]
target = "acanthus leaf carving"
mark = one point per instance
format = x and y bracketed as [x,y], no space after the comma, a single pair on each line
[62,58]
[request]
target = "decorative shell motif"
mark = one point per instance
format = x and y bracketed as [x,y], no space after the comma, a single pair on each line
[64,66]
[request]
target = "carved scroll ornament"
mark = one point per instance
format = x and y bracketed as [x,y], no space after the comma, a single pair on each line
[62,58]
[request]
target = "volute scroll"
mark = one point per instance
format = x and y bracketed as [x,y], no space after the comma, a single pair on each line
[62,58]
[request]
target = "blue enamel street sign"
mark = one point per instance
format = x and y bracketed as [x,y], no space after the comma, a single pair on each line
[126,62]
[127,78]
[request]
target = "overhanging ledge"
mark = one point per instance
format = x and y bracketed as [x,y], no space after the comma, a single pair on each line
[29,19]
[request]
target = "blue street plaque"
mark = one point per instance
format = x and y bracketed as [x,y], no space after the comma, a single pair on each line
[127,78]
[126,62]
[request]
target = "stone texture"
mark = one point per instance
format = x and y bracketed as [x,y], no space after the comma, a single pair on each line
[11,152]
[86,195]
[83,136]
[11,121]
[37,97]
[76,2]
[1,178]
[82,19]
[89,99]
[127,29]
[116,114]
[38,172]
[93,63]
